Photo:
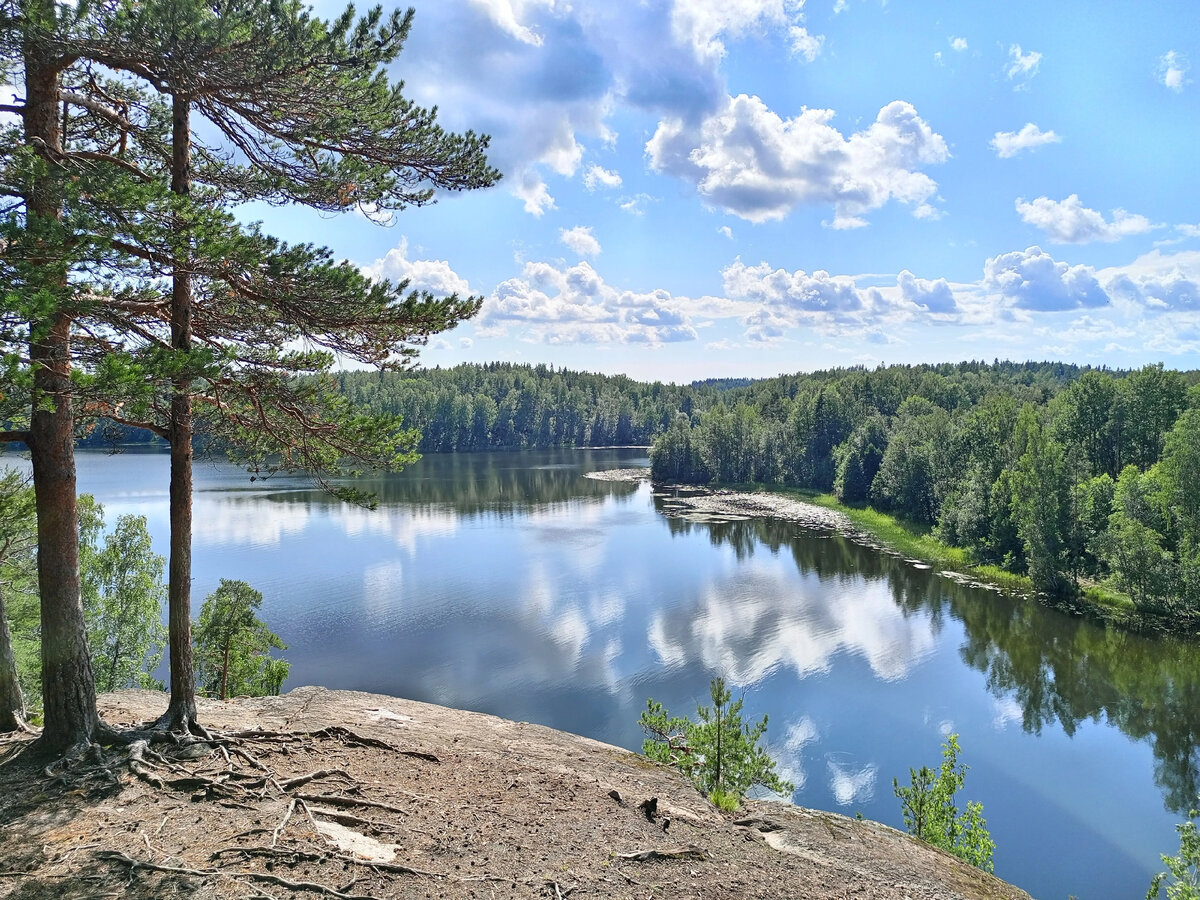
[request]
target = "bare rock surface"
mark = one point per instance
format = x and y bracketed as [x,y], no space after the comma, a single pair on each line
[323,793]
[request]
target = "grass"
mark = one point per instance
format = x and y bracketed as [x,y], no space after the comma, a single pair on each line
[916,542]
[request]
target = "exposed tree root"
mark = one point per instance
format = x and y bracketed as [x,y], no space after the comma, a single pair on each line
[677,853]
[266,877]
[351,802]
[311,856]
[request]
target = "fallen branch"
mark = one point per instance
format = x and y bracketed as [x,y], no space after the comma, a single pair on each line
[691,852]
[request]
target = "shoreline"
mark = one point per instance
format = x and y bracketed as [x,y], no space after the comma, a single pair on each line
[714,505]
[717,504]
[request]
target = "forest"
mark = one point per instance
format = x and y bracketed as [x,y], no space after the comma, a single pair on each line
[1073,476]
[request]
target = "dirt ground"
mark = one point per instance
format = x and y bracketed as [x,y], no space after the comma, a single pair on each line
[324,793]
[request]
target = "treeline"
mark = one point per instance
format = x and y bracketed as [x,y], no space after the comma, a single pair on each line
[1067,475]
[507,406]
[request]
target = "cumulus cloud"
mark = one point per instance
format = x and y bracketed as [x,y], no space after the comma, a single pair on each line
[747,160]
[1172,70]
[580,240]
[543,77]
[1009,143]
[1022,66]
[704,23]
[1031,279]
[933,296]
[1158,282]
[598,178]
[1070,222]
[433,275]
[726,231]
[562,305]
[530,188]
[958,44]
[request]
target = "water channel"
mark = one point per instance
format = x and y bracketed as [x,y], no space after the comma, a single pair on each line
[512,585]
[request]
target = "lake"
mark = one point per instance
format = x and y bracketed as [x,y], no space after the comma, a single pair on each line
[512,585]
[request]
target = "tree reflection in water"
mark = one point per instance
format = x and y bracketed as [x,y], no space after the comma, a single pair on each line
[1057,669]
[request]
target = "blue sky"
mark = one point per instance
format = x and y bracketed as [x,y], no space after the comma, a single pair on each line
[698,188]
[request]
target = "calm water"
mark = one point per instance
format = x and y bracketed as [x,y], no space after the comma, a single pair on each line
[509,584]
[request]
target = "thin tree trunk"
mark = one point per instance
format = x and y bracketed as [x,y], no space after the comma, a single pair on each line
[69,693]
[12,701]
[181,712]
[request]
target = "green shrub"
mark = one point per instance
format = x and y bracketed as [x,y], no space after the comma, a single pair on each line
[930,812]
[1184,868]
[719,752]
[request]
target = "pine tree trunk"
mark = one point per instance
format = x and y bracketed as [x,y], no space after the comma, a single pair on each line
[12,702]
[181,713]
[69,693]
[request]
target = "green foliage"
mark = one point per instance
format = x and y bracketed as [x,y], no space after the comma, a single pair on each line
[931,813]
[123,596]
[1184,868]
[718,751]
[20,689]
[233,646]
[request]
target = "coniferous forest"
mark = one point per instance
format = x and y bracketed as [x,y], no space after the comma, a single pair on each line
[1072,476]
[1069,475]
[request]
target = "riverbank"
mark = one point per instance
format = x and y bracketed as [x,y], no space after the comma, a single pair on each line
[887,534]
[352,795]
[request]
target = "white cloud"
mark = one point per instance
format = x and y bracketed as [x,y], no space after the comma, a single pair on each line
[934,296]
[573,304]
[1033,280]
[1172,70]
[726,230]
[542,77]
[636,205]
[433,275]
[530,187]
[1030,137]
[958,44]
[580,240]
[1158,282]
[747,160]
[1070,222]
[596,178]
[507,14]
[703,24]
[465,343]
[1022,66]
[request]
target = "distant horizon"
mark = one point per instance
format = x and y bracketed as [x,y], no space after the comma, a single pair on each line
[586,368]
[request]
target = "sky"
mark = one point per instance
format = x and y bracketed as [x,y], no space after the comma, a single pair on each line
[721,188]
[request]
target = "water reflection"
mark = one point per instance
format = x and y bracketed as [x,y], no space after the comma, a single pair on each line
[509,584]
[1043,668]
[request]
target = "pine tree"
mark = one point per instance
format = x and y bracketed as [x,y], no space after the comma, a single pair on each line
[276,83]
